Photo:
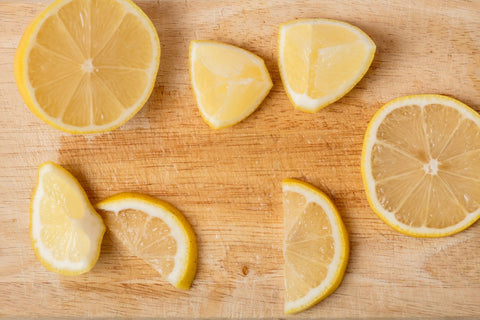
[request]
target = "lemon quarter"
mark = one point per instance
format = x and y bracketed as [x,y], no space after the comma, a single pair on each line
[320,60]
[229,82]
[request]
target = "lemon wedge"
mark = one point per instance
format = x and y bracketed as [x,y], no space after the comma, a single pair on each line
[229,82]
[65,230]
[321,60]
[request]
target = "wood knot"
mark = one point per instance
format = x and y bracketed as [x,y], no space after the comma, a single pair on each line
[245,270]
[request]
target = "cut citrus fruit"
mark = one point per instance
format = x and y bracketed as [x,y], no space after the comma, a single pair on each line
[154,231]
[229,82]
[316,246]
[87,66]
[421,165]
[65,230]
[321,60]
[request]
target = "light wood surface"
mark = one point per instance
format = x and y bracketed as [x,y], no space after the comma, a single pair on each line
[228,182]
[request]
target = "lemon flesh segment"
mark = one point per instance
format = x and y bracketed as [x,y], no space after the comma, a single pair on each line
[65,230]
[421,165]
[87,66]
[229,82]
[154,231]
[316,246]
[321,60]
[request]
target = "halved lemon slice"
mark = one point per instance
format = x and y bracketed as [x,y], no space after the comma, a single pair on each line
[320,60]
[154,231]
[316,246]
[65,230]
[87,65]
[229,82]
[421,165]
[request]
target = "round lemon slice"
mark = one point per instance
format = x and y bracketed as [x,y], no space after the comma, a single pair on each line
[229,82]
[65,230]
[87,66]
[321,60]
[315,246]
[420,165]
[154,231]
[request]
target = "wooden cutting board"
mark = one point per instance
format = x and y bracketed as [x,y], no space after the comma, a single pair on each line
[228,182]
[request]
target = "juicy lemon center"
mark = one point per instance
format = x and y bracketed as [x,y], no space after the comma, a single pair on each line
[87,66]
[431,167]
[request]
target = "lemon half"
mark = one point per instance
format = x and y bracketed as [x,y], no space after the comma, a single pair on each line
[421,165]
[87,66]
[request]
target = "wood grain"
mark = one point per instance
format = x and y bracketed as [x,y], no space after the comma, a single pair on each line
[228,182]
